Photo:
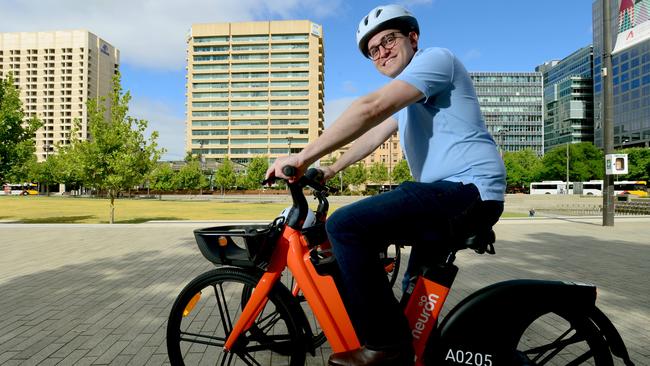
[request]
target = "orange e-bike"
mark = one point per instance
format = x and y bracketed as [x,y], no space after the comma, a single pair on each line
[244,313]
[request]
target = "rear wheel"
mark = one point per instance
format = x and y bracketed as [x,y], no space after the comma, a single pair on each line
[563,339]
[204,313]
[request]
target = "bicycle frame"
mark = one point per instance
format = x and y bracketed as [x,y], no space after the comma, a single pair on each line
[319,291]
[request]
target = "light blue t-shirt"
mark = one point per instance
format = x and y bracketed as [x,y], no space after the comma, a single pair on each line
[443,135]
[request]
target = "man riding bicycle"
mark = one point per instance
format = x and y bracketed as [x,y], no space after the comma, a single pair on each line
[459,175]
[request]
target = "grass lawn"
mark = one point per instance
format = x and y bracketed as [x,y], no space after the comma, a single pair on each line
[37,209]
[32,209]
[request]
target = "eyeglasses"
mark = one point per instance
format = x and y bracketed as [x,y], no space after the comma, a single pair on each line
[387,42]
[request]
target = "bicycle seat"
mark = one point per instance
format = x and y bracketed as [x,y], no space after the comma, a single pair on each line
[481,242]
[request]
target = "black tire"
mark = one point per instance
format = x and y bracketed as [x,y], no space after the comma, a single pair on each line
[391,262]
[275,337]
[563,339]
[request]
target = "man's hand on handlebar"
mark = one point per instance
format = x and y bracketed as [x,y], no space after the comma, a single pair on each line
[275,170]
[328,173]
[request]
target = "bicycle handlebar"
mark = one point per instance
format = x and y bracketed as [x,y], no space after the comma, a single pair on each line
[312,178]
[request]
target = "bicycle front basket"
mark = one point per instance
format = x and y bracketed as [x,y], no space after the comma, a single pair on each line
[241,246]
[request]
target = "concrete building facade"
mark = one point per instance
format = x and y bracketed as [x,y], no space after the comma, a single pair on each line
[57,72]
[253,89]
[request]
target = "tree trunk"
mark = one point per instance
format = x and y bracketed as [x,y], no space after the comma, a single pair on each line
[112,197]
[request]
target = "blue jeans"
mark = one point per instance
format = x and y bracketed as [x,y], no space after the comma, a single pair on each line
[415,213]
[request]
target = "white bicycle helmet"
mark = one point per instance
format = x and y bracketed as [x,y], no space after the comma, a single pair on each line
[310,220]
[384,17]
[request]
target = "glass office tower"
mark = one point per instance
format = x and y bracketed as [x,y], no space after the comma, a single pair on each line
[511,103]
[568,99]
[630,75]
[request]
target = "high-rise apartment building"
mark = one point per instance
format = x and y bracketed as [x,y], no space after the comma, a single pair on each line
[57,73]
[512,104]
[630,72]
[568,99]
[254,89]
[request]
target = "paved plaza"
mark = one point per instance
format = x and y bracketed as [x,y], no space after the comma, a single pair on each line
[100,294]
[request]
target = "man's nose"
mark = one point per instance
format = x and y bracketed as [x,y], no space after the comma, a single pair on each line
[383,51]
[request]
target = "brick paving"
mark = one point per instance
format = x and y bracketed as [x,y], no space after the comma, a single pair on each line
[99,294]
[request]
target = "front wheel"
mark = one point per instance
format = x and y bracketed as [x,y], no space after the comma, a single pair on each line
[205,311]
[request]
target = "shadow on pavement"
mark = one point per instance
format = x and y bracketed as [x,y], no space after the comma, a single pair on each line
[116,307]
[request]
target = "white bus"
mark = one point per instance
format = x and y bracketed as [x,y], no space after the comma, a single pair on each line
[592,188]
[638,188]
[17,189]
[550,187]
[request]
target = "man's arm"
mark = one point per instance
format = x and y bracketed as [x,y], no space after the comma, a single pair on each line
[364,114]
[363,146]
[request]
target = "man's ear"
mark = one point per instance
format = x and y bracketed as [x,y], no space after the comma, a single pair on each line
[413,38]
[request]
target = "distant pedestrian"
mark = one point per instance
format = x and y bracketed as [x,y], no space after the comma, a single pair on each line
[531,212]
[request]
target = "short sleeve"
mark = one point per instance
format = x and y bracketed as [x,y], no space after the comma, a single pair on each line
[430,71]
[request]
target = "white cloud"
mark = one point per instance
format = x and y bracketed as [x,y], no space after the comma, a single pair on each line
[350,87]
[334,108]
[169,124]
[472,55]
[413,3]
[148,33]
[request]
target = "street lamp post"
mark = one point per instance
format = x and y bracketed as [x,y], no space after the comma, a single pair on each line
[607,113]
[289,138]
[567,168]
[390,162]
[501,134]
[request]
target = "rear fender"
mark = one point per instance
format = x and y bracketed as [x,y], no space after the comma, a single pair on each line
[490,321]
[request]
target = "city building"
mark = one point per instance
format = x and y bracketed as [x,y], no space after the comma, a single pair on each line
[388,153]
[630,30]
[511,103]
[568,99]
[57,72]
[253,89]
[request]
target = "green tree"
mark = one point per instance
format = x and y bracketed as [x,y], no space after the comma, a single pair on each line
[522,168]
[638,164]
[162,178]
[16,138]
[68,161]
[256,171]
[45,172]
[225,175]
[401,172]
[378,173]
[585,163]
[117,156]
[354,175]
[191,176]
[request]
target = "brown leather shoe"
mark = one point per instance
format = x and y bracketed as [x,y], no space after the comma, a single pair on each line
[367,357]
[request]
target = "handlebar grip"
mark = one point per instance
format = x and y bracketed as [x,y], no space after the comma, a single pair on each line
[289,171]
[315,174]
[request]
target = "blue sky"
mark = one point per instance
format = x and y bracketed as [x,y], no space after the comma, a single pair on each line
[495,35]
